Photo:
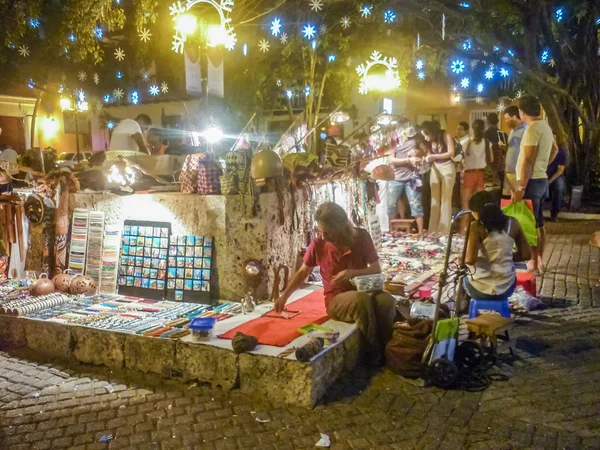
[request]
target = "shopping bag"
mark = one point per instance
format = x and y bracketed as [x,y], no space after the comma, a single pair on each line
[523,214]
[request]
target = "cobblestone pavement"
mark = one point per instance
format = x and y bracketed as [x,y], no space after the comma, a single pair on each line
[548,398]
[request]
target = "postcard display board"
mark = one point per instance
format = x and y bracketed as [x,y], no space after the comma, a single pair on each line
[155,264]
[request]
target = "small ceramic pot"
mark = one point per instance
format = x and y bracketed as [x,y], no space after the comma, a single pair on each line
[83,284]
[63,280]
[43,286]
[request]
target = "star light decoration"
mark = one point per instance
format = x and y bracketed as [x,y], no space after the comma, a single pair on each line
[309,31]
[135,98]
[389,16]
[145,35]
[323,29]
[501,107]
[24,51]
[552,62]
[118,93]
[120,54]
[504,73]
[98,33]
[284,38]
[465,82]
[365,11]
[82,76]
[391,79]
[421,75]
[276,27]
[153,90]
[164,87]
[345,22]
[316,5]
[419,64]
[479,100]
[264,45]
[489,74]
[480,88]
[458,66]
[96,78]
[223,8]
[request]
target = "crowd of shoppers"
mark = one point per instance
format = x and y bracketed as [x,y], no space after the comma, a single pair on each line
[528,164]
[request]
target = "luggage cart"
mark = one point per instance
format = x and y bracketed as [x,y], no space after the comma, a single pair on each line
[445,358]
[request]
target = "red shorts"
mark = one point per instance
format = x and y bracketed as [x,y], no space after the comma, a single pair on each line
[473,180]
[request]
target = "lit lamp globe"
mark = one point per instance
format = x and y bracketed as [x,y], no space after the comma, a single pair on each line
[266,164]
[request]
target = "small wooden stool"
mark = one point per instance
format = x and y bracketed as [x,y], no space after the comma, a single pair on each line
[404,225]
[489,328]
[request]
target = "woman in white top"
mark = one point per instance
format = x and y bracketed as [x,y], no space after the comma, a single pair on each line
[477,155]
[490,254]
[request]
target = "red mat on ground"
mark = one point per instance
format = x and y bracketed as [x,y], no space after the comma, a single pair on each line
[527,280]
[280,332]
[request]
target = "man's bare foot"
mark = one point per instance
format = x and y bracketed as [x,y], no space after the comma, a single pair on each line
[540,264]
[532,267]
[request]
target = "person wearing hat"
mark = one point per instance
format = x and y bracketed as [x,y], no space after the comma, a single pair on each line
[405,162]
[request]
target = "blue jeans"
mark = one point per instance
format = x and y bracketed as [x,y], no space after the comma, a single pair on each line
[395,190]
[557,194]
[478,295]
[536,192]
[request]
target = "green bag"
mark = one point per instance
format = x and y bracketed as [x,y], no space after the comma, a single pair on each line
[523,214]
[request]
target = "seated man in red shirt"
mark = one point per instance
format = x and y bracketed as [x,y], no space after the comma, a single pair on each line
[344,252]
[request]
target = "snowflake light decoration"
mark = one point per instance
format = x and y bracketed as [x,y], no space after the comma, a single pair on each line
[505,59]
[223,8]
[145,35]
[289,93]
[107,98]
[545,56]
[96,78]
[278,83]
[389,81]
[119,74]
[552,62]
[276,27]
[135,98]
[118,93]
[559,14]
[480,88]
[284,38]
[419,64]
[345,22]
[492,66]
[34,23]
[82,76]
[307,91]
[99,107]
[323,29]
[119,54]
[479,100]
[309,31]
[504,72]
[458,66]
[464,5]
[365,11]
[501,107]
[153,90]
[316,5]
[331,58]
[467,45]
[465,82]
[454,88]
[389,16]
[264,45]
[98,33]
[489,74]
[474,63]
[72,37]
[110,124]
[164,87]
[24,51]
[421,75]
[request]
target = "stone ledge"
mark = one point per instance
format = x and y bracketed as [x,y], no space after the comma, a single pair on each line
[279,380]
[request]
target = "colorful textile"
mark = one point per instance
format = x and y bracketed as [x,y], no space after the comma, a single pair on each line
[200,175]
[280,332]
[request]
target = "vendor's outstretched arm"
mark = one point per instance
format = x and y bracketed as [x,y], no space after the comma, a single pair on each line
[299,277]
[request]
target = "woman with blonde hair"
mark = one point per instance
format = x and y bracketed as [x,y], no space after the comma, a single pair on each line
[343,252]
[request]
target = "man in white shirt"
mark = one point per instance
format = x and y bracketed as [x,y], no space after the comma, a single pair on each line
[537,150]
[513,119]
[129,134]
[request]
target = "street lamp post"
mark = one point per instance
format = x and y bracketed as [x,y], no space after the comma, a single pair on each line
[80,106]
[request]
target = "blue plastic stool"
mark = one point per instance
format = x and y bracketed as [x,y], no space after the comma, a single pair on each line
[500,306]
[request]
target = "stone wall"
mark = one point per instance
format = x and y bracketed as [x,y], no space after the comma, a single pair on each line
[239,235]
